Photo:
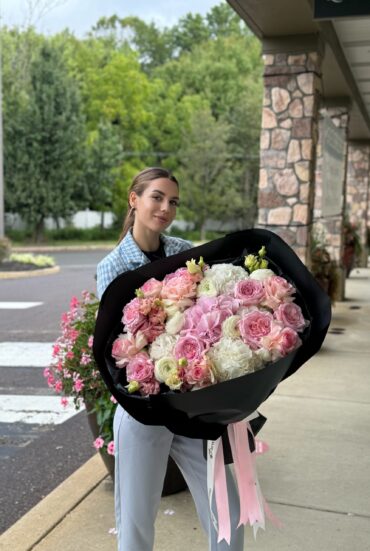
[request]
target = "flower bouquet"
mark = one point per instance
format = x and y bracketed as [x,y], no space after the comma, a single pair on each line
[198,349]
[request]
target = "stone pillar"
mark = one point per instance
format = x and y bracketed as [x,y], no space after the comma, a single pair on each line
[289,135]
[357,194]
[331,226]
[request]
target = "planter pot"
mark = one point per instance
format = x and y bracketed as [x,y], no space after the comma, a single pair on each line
[174,481]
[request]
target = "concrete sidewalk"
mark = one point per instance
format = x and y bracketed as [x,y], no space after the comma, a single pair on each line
[315,476]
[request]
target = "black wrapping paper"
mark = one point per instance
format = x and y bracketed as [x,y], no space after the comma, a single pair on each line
[205,413]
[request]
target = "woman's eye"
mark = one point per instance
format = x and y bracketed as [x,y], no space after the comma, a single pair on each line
[174,203]
[156,197]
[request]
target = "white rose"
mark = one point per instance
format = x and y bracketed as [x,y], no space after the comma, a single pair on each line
[231,358]
[206,288]
[261,274]
[230,327]
[165,368]
[162,346]
[175,323]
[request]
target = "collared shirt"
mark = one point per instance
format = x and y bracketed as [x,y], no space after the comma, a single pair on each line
[128,256]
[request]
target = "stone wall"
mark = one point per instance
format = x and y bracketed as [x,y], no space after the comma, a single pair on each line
[357,195]
[287,148]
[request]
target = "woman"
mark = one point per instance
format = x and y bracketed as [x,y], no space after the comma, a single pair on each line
[142,451]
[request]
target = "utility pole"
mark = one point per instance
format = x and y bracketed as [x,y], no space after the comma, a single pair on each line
[2,229]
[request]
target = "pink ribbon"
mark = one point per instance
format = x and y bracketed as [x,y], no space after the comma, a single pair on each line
[252,503]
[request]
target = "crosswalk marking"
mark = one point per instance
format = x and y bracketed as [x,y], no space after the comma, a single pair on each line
[40,410]
[25,354]
[18,305]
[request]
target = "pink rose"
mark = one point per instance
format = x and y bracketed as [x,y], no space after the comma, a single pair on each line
[151,288]
[110,448]
[149,387]
[179,285]
[253,326]
[198,373]
[249,291]
[140,368]
[125,347]
[281,341]
[132,317]
[278,290]
[290,315]
[189,347]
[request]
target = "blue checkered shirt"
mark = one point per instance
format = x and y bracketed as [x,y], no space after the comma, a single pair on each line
[128,256]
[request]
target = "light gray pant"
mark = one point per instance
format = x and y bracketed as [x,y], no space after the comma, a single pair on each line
[141,454]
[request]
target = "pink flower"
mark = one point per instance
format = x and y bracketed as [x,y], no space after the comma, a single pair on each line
[281,341]
[70,355]
[253,326]
[151,331]
[110,448]
[98,443]
[132,318]
[199,373]
[179,285]
[149,387]
[74,303]
[51,380]
[151,288]
[56,350]
[64,402]
[47,372]
[228,303]
[85,359]
[278,290]
[90,342]
[140,368]
[210,326]
[249,291]
[112,399]
[189,347]
[124,349]
[58,387]
[78,385]
[290,315]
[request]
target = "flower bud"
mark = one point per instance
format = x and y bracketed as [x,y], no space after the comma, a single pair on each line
[132,387]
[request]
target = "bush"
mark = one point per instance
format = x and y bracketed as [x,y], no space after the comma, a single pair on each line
[4,248]
[39,260]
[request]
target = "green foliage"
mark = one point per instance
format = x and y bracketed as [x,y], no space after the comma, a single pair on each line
[38,260]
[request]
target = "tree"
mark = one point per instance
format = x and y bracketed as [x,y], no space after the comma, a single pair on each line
[102,170]
[208,189]
[45,145]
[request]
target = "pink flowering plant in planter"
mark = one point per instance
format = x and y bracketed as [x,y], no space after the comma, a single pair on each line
[73,372]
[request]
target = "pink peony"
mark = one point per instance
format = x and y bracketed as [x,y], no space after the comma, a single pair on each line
[98,443]
[189,347]
[151,288]
[140,368]
[281,341]
[110,448]
[132,317]
[278,290]
[253,326]
[249,291]
[179,285]
[290,315]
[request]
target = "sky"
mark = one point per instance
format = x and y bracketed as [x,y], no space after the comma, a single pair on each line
[80,15]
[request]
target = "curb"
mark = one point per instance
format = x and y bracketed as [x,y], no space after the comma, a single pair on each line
[30,273]
[35,525]
[63,248]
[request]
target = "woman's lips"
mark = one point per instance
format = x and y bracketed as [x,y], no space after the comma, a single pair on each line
[162,219]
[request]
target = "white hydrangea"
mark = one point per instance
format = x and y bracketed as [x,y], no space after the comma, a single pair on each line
[224,277]
[162,346]
[231,358]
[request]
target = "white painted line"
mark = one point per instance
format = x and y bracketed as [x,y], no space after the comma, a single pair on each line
[18,305]
[37,410]
[25,354]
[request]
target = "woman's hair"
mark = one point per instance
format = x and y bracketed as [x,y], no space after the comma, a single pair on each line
[139,185]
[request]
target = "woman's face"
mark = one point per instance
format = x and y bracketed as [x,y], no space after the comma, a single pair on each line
[156,207]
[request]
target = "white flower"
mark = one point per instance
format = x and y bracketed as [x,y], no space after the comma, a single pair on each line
[162,346]
[171,307]
[175,323]
[165,368]
[206,288]
[230,327]
[261,274]
[224,277]
[231,358]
